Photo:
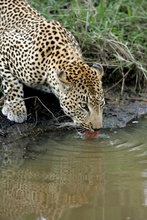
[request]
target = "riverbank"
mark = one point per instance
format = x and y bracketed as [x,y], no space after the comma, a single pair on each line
[15,138]
[43,117]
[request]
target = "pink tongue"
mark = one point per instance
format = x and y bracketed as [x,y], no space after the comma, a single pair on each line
[91,134]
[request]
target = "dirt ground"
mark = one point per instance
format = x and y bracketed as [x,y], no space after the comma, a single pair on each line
[119,112]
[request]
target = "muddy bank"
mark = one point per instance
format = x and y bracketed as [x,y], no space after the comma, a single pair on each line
[119,112]
[14,138]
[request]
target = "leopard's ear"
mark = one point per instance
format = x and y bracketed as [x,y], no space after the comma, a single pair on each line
[64,83]
[62,76]
[100,69]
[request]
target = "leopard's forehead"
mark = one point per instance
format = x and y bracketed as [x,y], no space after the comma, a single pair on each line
[87,91]
[86,82]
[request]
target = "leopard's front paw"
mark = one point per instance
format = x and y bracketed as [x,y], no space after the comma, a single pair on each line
[15,111]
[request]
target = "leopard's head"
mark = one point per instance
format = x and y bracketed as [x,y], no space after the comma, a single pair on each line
[81,95]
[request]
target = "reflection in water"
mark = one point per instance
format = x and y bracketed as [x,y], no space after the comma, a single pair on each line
[75,179]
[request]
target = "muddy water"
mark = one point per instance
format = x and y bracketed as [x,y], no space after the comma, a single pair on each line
[65,177]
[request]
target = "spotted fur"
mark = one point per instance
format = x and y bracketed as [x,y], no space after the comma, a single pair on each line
[44,55]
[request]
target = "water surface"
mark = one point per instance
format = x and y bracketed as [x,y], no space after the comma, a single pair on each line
[65,177]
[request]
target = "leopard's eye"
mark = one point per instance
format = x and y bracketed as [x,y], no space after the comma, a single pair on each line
[84,106]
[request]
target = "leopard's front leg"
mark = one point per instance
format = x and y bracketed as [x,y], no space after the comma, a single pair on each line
[14,107]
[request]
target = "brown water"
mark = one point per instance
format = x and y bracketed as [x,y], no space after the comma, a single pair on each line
[68,178]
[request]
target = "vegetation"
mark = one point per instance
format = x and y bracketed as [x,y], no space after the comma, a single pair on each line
[111,32]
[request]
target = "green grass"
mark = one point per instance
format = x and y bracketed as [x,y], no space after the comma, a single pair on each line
[111,32]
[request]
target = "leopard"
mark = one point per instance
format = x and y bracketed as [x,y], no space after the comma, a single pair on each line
[30,191]
[43,54]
